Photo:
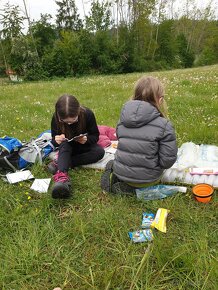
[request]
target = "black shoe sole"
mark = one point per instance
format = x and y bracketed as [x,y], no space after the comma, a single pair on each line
[121,188]
[60,191]
[105,178]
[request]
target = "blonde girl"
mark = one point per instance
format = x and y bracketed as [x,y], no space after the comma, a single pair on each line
[146,141]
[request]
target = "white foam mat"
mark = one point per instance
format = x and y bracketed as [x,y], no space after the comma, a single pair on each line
[190,155]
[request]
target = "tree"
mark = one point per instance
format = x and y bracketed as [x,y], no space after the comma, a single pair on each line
[24,59]
[186,57]
[209,52]
[194,24]
[100,16]
[140,27]
[12,24]
[158,15]
[44,33]
[12,21]
[166,43]
[67,17]
[62,60]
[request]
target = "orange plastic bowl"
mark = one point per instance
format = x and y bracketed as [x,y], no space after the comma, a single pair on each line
[203,192]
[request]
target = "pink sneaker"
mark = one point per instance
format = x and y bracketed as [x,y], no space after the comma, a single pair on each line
[62,186]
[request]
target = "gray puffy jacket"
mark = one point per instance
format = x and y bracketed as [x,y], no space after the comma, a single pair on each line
[147,143]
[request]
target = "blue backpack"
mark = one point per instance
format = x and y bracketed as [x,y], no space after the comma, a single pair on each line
[9,147]
[15,156]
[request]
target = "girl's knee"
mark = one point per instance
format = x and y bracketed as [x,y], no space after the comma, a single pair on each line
[98,152]
[65,146]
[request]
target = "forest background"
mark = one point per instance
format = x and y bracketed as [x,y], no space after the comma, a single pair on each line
[119,36]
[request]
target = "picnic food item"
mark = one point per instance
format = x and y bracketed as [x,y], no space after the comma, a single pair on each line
[203,171]
[141,236]
[147,219]
[160,220]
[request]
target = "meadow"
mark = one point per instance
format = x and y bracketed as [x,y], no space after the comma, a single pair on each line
[82,243]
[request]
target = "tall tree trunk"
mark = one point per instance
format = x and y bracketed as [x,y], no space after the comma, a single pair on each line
[157,29]
[150,41]
[84,11]
[117,17]
[30,29]
[3,53]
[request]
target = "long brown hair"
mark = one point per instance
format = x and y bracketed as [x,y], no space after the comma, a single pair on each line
[150,89]
[67,106]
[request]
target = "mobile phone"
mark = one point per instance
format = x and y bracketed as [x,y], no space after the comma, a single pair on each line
[77,137]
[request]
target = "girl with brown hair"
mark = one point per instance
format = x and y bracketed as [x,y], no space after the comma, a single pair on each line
[75,133]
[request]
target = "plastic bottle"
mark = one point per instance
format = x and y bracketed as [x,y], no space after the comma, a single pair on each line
[158,191]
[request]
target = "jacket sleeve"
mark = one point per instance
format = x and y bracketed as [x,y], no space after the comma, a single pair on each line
[92,128]
[167,147]
[54,131]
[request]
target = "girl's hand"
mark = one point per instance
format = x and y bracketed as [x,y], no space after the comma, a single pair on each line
[59,138]
[81,140]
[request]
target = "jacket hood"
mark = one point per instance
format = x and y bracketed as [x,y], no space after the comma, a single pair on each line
[138,113]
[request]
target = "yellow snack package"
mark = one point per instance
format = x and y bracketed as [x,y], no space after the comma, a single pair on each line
[160,220]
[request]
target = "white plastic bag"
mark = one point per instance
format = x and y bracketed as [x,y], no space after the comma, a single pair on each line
[192,155]
[187,156]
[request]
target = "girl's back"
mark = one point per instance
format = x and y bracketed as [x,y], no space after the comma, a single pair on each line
[147,143]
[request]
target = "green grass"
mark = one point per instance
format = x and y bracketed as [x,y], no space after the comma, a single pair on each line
[83,243]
